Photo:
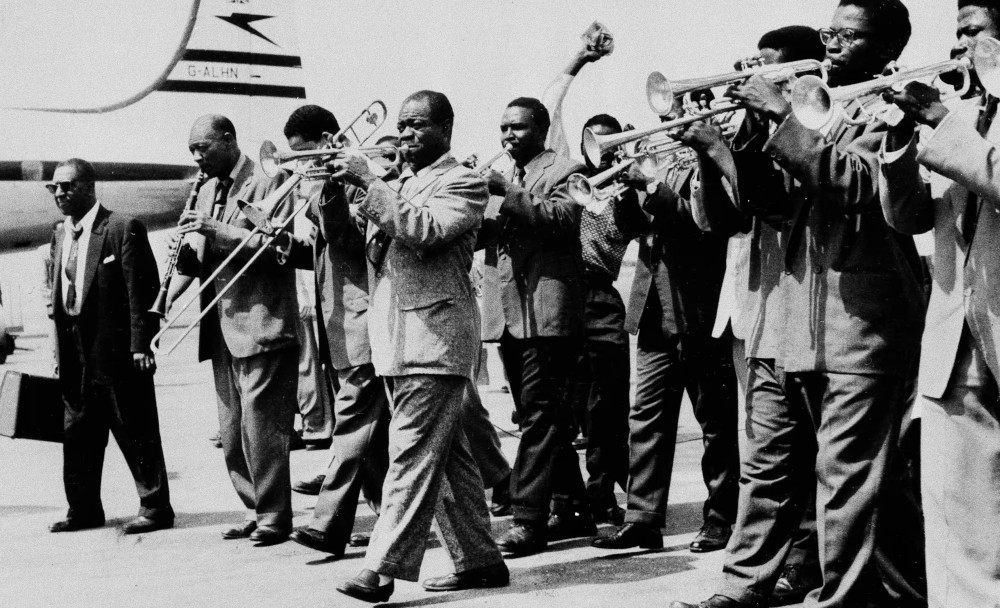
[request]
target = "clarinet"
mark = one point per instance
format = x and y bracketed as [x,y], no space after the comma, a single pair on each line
[159,307]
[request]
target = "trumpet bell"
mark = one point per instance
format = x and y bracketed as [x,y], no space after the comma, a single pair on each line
[986,59]
[660,94]
[812,102]
[270,161]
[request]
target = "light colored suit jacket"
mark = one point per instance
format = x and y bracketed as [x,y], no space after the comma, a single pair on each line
[337,254]
[423,317]
[966,278]
[260,312]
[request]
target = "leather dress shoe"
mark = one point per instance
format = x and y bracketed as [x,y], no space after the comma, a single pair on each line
[72,524]
[711,537]
[309,487]
[794,585]
[716,601]
[523,539]
[143,524]
[365,587]
[570,525]
[244,530]
[495,575]
[500,505]
[613,515]
[314,539]
[631,535]
[265,536]
[359,539]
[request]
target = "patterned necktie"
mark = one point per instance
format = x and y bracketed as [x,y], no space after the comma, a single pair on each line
[519,176]
[71,261]
[221,198]
[971,216]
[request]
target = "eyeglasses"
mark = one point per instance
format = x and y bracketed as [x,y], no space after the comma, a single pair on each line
[54,186]
[846,36]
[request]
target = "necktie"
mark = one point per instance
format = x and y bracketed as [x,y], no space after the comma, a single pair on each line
[971,216]
[519,176]
[71,307]
[221,197]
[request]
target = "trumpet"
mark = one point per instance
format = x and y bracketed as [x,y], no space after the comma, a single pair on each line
[473,160]
[814,103]
[594,145]
[272,161]
[159,307]
[662,94]
[584,190]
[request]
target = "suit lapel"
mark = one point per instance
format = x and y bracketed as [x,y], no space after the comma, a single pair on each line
[241,182]
[94,249]
[427,180]
[535,169]
[57,269]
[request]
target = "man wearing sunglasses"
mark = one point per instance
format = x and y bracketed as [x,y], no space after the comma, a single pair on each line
[105,281]
[853,311]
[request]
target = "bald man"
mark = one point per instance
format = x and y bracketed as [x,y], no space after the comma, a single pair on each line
[251,336]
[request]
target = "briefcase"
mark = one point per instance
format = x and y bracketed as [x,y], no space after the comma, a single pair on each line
[31,407]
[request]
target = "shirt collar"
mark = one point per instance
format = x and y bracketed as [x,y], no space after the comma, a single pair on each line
[86,222]
[408,173]
[239,167]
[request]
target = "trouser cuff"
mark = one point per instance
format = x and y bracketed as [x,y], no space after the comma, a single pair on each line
[645,517]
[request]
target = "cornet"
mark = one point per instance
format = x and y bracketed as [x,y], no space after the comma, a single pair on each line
[271,161]
[584,190]
[594,145]
[814,103]
[482,168]
[662,94]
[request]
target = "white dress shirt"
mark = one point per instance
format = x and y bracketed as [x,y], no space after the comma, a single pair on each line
[87,222]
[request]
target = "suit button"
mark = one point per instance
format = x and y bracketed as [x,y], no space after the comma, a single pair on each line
[378,275]
[818,269]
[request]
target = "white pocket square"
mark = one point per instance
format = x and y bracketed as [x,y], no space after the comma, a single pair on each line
[109,259]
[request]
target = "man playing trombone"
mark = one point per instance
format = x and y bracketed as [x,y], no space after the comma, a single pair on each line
[251,337]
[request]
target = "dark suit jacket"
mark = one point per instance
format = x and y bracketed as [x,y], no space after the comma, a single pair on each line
[259,313]
[684,265]
[852,286]
[337,254]
[533,242]
[117,289]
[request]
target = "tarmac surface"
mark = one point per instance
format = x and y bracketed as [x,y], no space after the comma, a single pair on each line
[190,565]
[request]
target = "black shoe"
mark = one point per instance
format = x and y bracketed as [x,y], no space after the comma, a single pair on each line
[143,524]
[72,524]
[314,539]
[711,537]
[614,515]
[309,487]
[244,530]
[317,444]
[631,535]
[496,575]
[266,536]
[365,587]
[570,525]
[359,539]
[523,539]
[716,601]
[500,501]
[794,585]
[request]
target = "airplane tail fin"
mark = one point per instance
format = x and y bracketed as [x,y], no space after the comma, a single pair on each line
[240,47]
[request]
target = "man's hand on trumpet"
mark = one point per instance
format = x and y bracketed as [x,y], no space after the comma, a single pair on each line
[920,102]
[496,182]
[702,137]
[354,168]
[758,94]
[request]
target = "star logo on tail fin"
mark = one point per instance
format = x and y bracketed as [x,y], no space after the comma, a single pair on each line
[243,21]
